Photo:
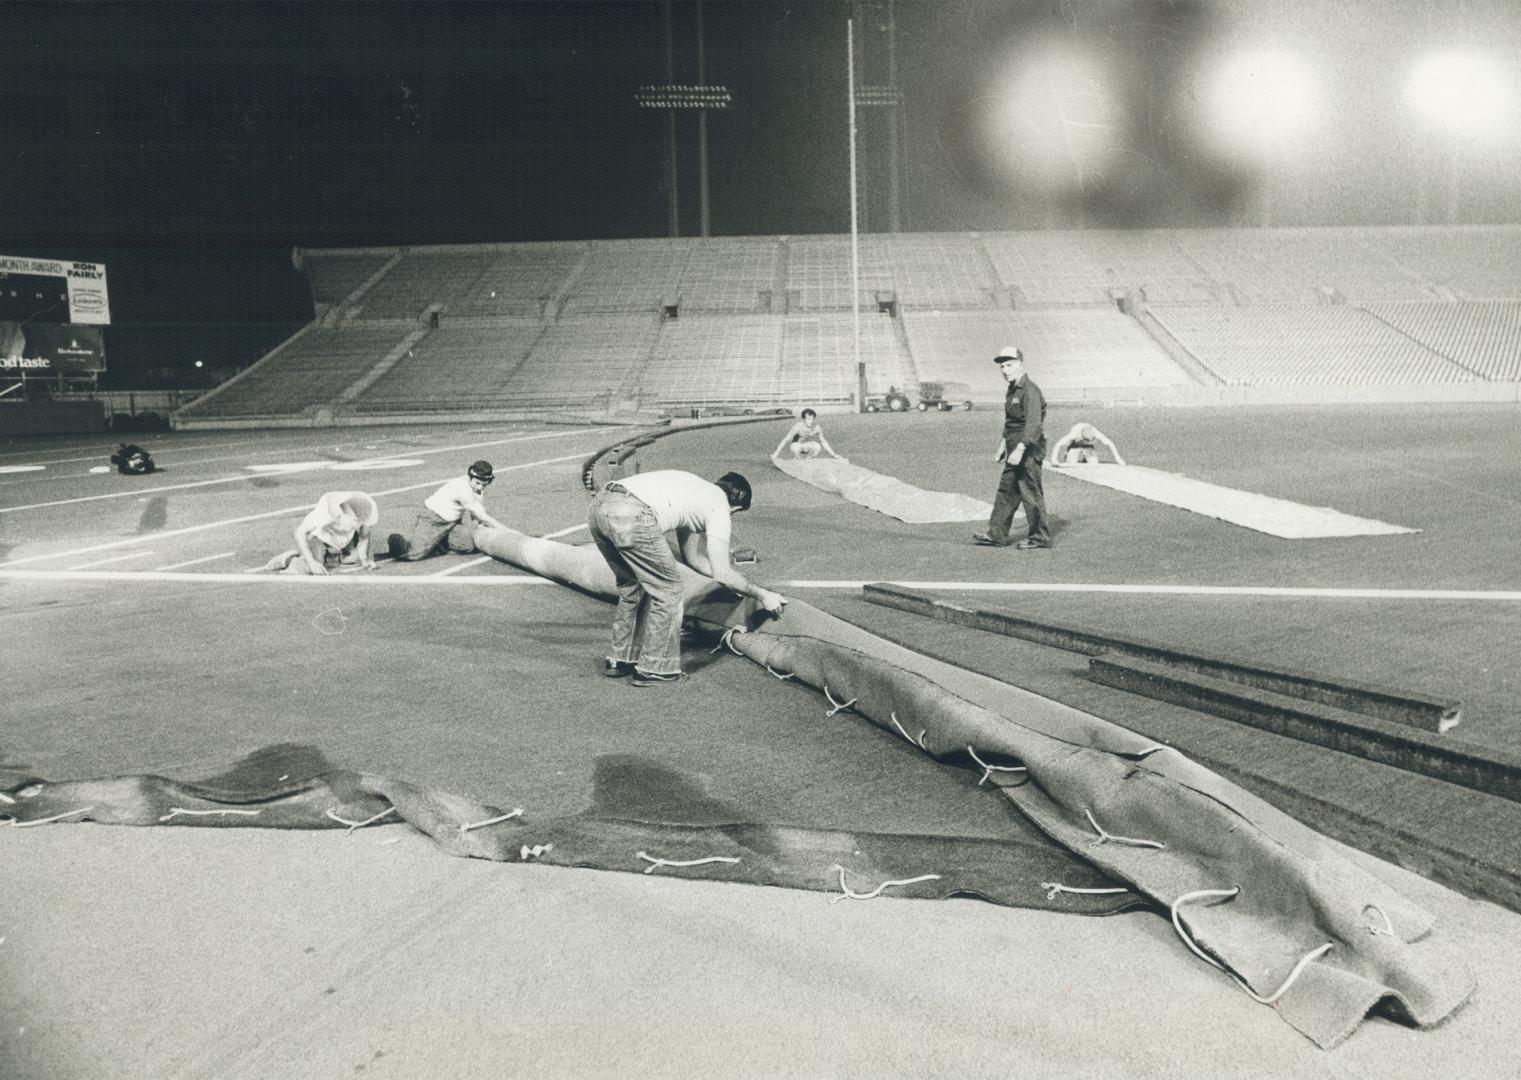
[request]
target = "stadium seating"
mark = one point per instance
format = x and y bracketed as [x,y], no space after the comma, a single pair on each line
[1304,344]
[1485,338]
[757,322]
[310,370]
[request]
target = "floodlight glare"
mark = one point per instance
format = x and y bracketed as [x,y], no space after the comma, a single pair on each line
[1459,92]
[1256,102]
[1047,116]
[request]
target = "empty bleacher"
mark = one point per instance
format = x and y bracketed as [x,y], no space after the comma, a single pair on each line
[737,275]
[818,358]
[334,277]
[715,360]
[756,322]
[1304,345]
[311,369]
[1473,262]
[458,367]
[423,279]
[1485,338]
[1066,350]
[627,276]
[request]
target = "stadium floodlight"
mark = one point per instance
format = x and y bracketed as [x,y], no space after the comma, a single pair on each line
[1256,101]
[1047,116]
[1459,92]
[670,96]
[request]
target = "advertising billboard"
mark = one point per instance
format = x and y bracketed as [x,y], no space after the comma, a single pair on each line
[53,290]
[50,349]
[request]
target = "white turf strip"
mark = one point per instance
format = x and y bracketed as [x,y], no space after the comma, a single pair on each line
[1264,513]
[496,580]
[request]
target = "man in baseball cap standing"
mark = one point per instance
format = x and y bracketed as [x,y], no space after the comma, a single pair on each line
[448,518]
[1021,450]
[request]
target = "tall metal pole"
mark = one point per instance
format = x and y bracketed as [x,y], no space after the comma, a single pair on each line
[894,119]
[673,208]
[855,239]
[702,128]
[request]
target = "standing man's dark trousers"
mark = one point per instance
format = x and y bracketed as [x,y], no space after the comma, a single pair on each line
[1020,485]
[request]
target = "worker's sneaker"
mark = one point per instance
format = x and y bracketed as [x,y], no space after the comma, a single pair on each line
[1030,545]
[984,540]
[649,678]
[617,669]
[398,546]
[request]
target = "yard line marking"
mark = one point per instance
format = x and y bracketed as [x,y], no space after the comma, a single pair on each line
[457,567]
[283,512]
[1179,590]
[244,477]
[114,558]
[563,532]
[239,578]
[196,562]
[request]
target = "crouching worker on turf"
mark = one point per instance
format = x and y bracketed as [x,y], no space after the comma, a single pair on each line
[448,519]
[806,438]
[629,522]
[1080,447]
[335,533]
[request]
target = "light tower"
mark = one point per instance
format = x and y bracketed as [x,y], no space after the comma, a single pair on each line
[672,97]
[876,89]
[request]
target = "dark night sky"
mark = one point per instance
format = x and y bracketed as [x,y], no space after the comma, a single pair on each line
[190,146]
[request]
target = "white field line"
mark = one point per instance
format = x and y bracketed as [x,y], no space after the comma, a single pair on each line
[242,477]
[1166,590]
[495,580]
[282,512]
[112,559]
[196,562]
[240,578]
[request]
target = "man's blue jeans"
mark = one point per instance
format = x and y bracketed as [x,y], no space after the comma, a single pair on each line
[647,624]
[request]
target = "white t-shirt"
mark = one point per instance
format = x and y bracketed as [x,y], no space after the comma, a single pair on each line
[335,524]
[452,500]
[685,502]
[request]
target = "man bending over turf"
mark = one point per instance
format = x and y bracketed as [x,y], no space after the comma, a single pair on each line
[448,519]
[335,533]
[1080,447]
[629,522]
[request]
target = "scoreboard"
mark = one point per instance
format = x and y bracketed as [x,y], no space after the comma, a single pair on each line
[51,314]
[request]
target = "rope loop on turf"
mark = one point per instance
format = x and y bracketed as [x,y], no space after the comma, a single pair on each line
[846,894]
[180,811]
[1110,838]
[1054,887]
[838,706]
[492,821]
[1232,892]
[656,863]
[989,770]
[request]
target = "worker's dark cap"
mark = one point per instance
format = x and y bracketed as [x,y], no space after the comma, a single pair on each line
[737,489]
[481,470]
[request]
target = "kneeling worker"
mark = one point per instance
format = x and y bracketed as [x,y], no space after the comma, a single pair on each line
[335,533]
[1080,447]
[629,521]
[448,519]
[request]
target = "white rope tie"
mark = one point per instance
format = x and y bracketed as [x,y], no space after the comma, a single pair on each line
[919,742]
[491,821]
[1054,887]
[1177,923]
[779,675]
[837,705]
[177,811]
[1104,837]
[657,863]
[1388,926]
[846,894]
[728,639]
[359,824]
[55,817]
[989,770]
[525,852]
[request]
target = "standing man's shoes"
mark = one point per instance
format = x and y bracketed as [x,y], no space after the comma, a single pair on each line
[649,678]
[1031,545]
[984,540]
[617,669]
